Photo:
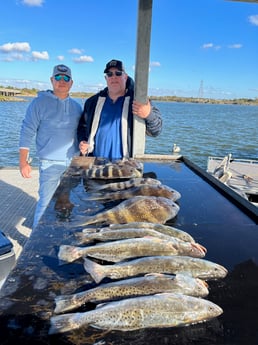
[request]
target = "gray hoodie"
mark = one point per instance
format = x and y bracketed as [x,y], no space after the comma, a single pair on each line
[53,121]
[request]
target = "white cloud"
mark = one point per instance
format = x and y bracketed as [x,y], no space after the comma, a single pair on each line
[253,19]
[83,58]
[155,64]
[32,3]
[60,58]
[15,47]
[210,46]
[207,45]
[40,55]
[235,46]
[75,51]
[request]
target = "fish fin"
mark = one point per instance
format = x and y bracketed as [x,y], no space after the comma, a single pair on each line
[172,276]
[64,323]
[68,253]
[96,271]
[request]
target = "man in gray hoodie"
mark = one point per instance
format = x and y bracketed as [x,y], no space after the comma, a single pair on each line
[52,118]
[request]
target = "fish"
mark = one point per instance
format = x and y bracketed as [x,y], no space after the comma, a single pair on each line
[139,208]
[112,171]
[162,228]
[107,234]
[130,162]
[149,284]
[120,250]
[153,311]
[121,185]
[173,264]
[144,190]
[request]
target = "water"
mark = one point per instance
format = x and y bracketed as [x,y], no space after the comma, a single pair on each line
[200,130]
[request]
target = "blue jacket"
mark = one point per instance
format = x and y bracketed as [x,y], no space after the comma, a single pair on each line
[54,123]
[153,122]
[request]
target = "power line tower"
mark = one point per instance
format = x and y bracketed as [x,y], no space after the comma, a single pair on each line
[200,93]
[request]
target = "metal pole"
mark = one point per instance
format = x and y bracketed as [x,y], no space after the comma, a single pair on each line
[142,70]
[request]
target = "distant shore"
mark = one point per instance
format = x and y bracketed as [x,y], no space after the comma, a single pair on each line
[84,95]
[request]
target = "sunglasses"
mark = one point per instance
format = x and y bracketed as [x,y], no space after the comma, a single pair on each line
[65,77]
[116,73]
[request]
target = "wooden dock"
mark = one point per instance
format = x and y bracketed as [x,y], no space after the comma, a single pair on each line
[17,205]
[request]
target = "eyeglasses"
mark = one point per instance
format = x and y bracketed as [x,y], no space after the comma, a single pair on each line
[116,73]
[65,77]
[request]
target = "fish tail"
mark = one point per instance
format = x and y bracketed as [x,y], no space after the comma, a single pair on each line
[65,323]
[96,271]
[68,253]
[81,237]
[64,303]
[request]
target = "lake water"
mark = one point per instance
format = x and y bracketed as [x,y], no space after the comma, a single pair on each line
[200,130]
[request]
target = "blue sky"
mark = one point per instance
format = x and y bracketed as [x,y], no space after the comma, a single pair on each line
[205,48]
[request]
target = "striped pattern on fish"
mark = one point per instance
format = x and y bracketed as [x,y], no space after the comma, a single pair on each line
[112,171]
[142,190]
[154,311]
[196,267]
[147,285]
[139,208]
[115,186]
[120,250]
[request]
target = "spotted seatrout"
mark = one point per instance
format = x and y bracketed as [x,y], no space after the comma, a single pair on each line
[147,285]
[139,208]
[120,250]
[144,190]
[196,267]
[108,234]
[164,229]
[155,311]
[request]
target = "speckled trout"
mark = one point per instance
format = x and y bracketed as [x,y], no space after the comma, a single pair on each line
[164,229]
[107,234]
[196,267]
[155,311]
[147,285]
[120,250]
[139,208]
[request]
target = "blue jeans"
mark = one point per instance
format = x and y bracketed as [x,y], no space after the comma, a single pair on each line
[50,173]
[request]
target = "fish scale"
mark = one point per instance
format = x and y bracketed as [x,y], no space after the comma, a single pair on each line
[155,311]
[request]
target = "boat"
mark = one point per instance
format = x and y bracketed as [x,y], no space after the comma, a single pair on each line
[241,175]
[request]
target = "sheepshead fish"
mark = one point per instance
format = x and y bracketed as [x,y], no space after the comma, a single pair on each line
[115,186]
[164,229]
[174,264]
[120,250]
[139,208]
[147,285]
[107,234]
[144,190]
[130,162]
[112,171]
[154,311]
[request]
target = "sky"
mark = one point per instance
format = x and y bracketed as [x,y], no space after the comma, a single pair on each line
[198,48]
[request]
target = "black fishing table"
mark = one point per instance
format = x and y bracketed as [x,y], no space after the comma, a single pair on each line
[225,228]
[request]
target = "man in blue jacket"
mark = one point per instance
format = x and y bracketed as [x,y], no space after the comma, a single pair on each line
[52,118]
[106,126]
